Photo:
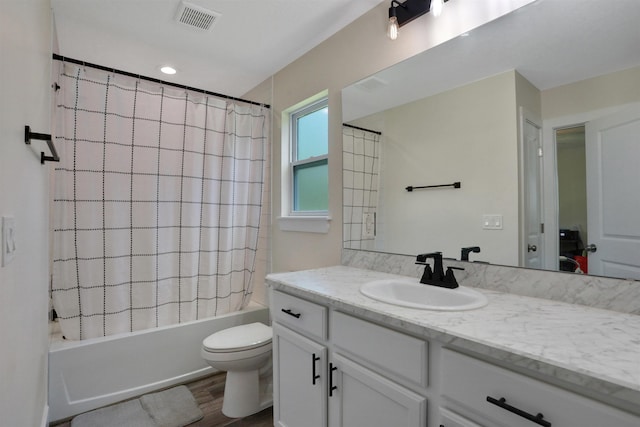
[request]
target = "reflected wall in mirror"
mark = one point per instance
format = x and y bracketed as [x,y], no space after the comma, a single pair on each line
[459,112]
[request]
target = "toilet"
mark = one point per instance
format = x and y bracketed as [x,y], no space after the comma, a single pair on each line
[244,352]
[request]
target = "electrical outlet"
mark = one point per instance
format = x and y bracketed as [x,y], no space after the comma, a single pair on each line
[492,222]
[8,239]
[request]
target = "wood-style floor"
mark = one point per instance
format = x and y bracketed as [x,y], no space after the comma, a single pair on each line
[208,393]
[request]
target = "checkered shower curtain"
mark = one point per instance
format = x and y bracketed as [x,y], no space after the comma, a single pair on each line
[157,203]
[360,183]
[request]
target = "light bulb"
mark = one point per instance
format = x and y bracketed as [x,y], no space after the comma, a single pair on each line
[393,29]
[436,7]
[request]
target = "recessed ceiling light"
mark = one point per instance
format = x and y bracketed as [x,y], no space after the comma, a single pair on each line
[168,70]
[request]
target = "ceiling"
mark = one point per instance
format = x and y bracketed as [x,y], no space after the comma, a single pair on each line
[550,42]
[250,41]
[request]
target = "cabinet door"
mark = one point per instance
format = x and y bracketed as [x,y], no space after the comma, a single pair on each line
[299,382]
[364,398]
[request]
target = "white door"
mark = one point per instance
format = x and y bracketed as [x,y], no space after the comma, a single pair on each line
[300,380]
[531,145]
[613,189]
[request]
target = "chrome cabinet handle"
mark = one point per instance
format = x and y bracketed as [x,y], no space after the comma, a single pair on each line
[502,402]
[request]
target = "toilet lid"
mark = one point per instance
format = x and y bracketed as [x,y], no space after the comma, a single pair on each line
[241,337]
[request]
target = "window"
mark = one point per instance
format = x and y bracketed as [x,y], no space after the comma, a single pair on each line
[309,167]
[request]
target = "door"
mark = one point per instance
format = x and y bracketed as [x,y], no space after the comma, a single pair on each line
[364,398]
[300,380]
[613,188]
[531,145]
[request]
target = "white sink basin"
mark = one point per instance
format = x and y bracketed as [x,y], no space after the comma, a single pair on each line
[428,297]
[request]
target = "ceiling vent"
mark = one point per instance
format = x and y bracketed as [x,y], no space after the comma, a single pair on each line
[371,84]
[194,16]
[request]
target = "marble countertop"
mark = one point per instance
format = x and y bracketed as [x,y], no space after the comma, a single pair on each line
[596,350]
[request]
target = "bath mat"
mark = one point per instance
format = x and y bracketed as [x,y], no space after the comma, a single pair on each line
[130,413]
[174,407]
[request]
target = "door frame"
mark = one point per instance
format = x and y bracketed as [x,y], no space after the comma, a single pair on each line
[550,179]
[523,117]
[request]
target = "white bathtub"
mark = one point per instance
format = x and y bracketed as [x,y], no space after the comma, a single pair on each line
[88,374]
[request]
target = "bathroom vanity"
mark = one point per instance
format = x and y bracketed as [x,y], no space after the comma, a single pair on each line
[344,359]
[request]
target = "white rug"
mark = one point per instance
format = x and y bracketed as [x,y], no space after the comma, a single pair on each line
[174,407]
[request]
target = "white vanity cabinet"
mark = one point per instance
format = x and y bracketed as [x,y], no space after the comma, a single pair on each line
[374,364]
[343,376]
[483,394]
[333,369]
[300,384]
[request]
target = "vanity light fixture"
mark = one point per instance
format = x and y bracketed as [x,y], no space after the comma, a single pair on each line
[393,28]
[436,7]
[403,13]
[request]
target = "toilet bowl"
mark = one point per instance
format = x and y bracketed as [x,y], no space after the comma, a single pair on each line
[244,352]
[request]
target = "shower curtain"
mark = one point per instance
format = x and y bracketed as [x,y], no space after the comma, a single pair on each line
[360,182]
[157,203]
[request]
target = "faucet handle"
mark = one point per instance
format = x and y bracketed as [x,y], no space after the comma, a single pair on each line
[450,279]
[427,275]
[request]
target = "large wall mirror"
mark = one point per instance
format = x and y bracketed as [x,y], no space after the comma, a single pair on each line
[505,111]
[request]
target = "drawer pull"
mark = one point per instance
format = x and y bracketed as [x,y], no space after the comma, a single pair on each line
[331,386]
[502,402]
[291,313]
[314,376]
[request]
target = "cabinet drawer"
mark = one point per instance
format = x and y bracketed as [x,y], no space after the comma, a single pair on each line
[469,382]
[451,419]
[300,314]
[396,353]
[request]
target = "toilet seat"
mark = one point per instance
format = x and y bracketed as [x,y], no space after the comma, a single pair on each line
[239,338]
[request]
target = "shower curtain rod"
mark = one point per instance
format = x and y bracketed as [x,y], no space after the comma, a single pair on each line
[366,130]
[152,79]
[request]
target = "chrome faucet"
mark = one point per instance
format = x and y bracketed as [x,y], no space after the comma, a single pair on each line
[437,276]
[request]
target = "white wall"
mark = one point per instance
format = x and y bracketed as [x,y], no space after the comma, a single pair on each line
[610,90]
[467,134]
[25,52]
[357,51]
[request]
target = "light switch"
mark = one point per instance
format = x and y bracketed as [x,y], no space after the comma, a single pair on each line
[492,222]
[368,225]
[8,239]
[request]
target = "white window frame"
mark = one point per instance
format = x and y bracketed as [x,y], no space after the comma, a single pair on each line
[292,220]
[293,146]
